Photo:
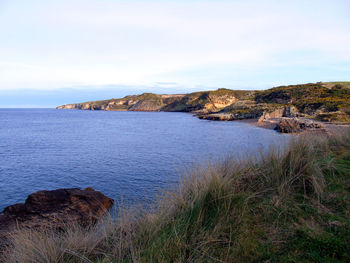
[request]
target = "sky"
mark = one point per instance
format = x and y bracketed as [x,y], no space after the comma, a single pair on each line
[66,51]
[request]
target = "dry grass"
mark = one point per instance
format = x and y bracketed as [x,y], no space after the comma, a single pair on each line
[273,207]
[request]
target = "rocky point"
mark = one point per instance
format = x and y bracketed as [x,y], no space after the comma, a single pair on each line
[55,209]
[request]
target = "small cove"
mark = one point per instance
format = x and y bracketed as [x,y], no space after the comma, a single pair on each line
[128,155]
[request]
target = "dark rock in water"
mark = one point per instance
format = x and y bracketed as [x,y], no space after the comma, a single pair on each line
[54,209]
[216,117]
[294,125]
[228,116]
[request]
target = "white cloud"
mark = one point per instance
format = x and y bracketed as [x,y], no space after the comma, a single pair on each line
[49,44]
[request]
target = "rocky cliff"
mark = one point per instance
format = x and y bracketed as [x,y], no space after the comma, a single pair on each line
[208,101]
[325,102]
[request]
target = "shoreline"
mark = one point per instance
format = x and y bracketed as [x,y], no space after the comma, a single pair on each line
[328,128]
[270,124]
[256,123]
[233,195]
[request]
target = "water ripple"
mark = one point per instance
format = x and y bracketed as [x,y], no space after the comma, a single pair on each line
[129,154]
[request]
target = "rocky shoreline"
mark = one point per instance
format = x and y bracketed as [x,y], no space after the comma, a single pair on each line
[281,124]
[287,109]
[54,209]
[283,120]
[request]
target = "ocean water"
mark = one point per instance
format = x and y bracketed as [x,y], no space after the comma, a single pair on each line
[129,156]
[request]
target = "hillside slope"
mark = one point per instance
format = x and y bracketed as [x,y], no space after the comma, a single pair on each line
[327,102]
[290,205]
[197,101]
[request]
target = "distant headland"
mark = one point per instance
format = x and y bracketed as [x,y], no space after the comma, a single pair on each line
[286,108]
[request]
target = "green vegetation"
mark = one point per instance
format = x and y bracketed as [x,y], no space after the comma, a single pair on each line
[345,84]
[250,108]
[239,94]
[198,101]
[312,99]
[328,102]
[287,205]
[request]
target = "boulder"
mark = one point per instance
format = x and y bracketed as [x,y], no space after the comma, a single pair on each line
[288,126]
[279,113]
[55,209]
[294,125]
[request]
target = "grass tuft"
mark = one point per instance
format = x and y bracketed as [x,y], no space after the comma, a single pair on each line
[287,205]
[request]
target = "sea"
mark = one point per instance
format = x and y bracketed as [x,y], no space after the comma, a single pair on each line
[131,157]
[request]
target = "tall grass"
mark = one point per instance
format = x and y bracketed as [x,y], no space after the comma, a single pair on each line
[286,205]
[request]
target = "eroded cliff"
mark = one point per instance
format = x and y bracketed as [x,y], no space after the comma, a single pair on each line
[325,102]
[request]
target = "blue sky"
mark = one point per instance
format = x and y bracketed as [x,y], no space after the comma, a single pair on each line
[57,52]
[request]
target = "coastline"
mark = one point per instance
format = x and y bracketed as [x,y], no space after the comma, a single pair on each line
[256,123]
[329,128]
[269,123]
[287,109]
[234,199]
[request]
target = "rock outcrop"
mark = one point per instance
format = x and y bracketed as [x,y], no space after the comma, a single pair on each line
[207,101]
[54,209]
[280,113]
[216,117]
[294,125]
[326,102]
[227,116]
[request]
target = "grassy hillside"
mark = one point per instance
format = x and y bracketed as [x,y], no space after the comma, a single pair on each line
[304,95]
[290,205]
[197,101]
[329,102]
[207,100]
[316,99]
[345,84]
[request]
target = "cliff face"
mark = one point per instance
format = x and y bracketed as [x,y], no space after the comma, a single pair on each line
[328,102]
[193,102]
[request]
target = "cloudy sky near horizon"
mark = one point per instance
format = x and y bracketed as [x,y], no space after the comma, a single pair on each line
[57,52]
